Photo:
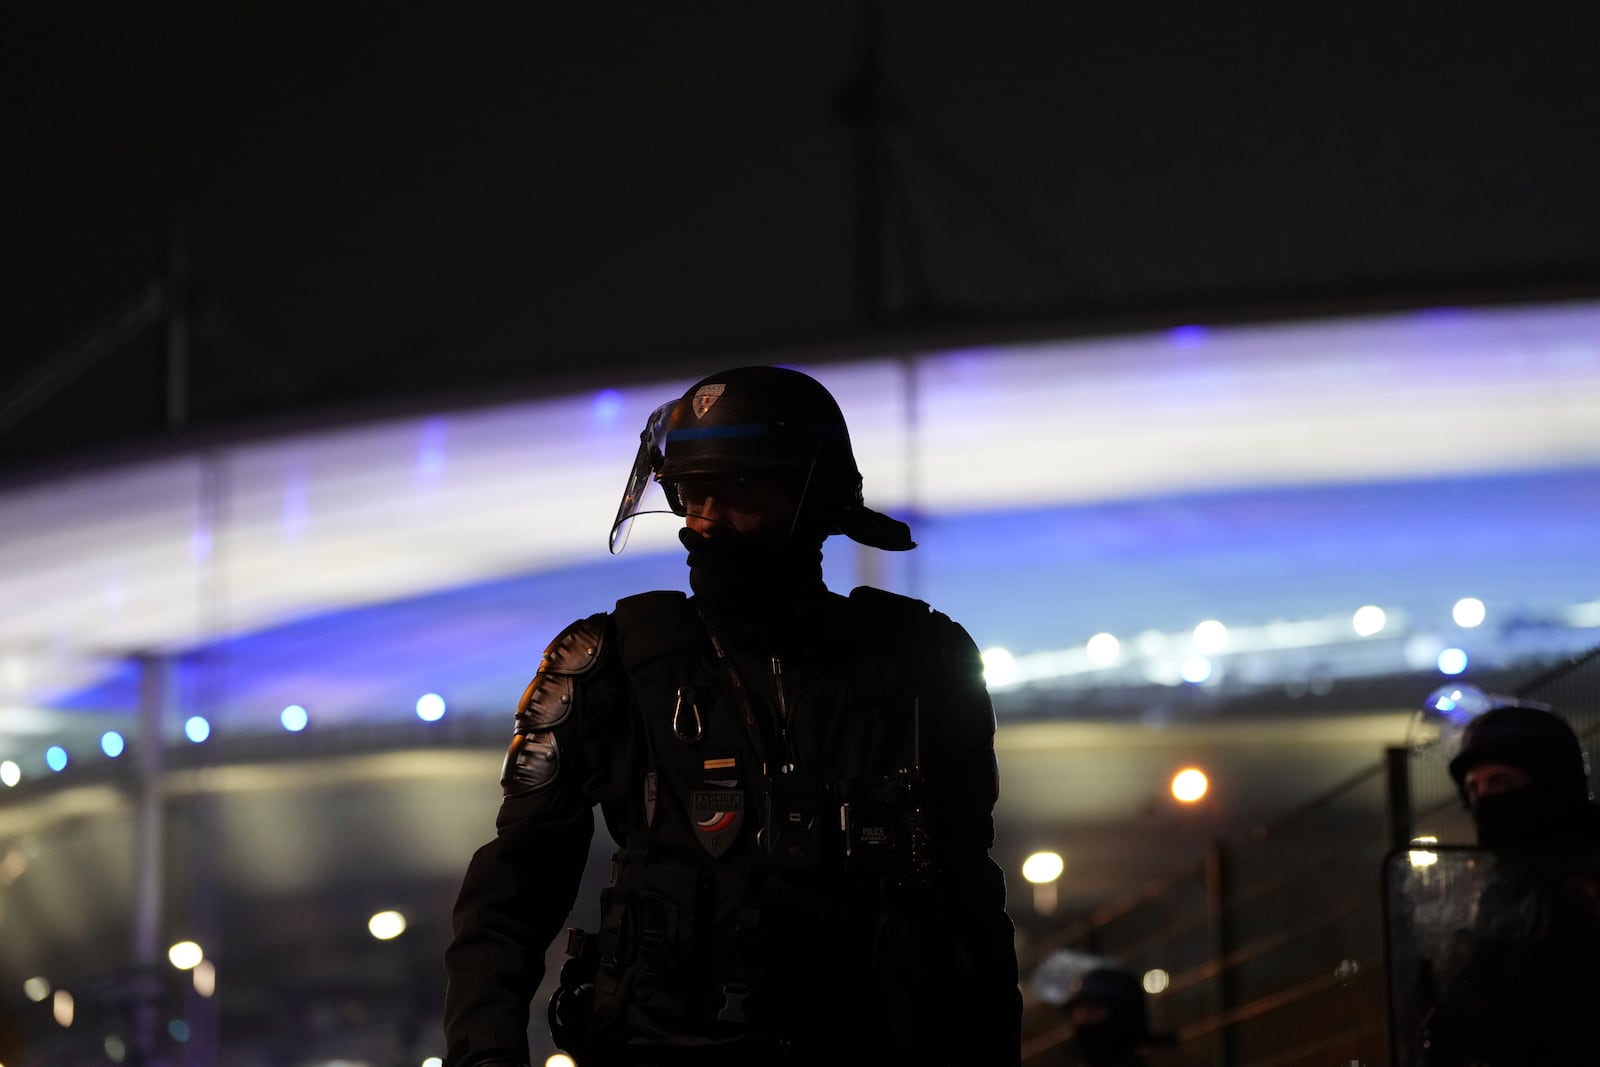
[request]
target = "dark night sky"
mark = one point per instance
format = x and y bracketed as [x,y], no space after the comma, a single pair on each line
[407,205]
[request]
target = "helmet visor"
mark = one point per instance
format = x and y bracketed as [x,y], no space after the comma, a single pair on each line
[643,494]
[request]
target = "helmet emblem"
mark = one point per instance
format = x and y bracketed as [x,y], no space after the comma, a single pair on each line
[704,397]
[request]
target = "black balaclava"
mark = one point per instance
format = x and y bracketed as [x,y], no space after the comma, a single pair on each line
[759,590]
[1554,805]
[1530,817]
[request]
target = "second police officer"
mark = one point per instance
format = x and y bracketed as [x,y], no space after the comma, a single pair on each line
[1523,984]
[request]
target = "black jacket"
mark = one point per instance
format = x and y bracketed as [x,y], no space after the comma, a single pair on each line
[888,937]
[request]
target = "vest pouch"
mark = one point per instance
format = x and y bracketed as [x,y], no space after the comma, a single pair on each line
[634,960]
[571,1006]
[924,972]
[666,966]
[791,810]
[655,923]
[886,829]
[873,820]
[612,984]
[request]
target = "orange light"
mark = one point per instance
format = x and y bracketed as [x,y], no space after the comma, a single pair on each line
[1189,785]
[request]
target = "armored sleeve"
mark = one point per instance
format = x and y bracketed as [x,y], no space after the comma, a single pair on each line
[520,887]
[958,732]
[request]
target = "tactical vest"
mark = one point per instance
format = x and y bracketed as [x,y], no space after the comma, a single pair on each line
[756,846]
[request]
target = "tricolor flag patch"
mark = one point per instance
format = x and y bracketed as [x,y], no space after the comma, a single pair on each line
[717,814]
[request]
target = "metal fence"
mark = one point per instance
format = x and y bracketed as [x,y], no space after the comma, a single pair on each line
[1270,952]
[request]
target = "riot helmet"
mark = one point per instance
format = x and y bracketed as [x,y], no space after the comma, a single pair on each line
[1527,736]
[756,421]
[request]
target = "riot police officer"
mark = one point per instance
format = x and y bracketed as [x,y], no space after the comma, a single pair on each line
[1525,977]
[801,785]
[1110,1020]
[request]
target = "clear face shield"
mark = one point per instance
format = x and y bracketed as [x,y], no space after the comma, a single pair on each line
[755,453]
[1452,706]
[647,494]
[643,495]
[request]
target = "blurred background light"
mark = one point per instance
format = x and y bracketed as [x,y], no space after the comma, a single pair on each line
[1421,857]
[1452,661]
[185,955]
[294,718]
[1103,650]
[1189,785]
[608,406]
[430,707]
[386,925]
[111,743]
[205,978]
[1043,867]
[1210,636]
[55,757]
[196,728]
[1043,871]
[1196,669]
[1468,612]
[1368,620]
[999,667]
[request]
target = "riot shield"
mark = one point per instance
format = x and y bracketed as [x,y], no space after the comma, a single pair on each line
[1430,899]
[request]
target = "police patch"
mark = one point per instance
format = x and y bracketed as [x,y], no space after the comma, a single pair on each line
[704,397]
[718,814]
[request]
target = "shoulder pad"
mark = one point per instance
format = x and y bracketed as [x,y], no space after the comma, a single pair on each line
[550,697]
[656,623]
[875,599]
[575,649]
[884,617]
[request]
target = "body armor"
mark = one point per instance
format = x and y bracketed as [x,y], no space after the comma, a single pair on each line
[763,803]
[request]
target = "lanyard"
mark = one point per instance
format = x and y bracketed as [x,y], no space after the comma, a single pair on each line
[747,705]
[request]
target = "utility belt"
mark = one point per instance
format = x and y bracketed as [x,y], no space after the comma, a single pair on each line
[572,1010]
